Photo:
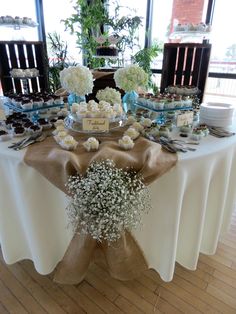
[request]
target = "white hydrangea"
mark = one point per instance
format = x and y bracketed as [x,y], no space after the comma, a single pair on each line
[110,95]
[77,80]
[131,78]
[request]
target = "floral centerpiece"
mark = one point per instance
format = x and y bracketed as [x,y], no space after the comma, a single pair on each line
[77,80]
[109,95]
[130,79]
[106,201]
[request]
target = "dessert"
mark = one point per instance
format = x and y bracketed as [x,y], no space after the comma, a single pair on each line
[126,142]
[132,133]
[107,51]
[68,142]
[18,131]
[92,144]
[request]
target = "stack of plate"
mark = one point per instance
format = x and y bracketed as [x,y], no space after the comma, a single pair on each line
[216,114]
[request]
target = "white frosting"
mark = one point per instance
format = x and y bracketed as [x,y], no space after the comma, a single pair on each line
[132,133]
[146,122]
[137,126]
[68,142]
[91,144]
[130,120]
[126,142]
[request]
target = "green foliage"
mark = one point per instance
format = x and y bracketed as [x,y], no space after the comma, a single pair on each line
[59,60]
[144,58]
[92,18]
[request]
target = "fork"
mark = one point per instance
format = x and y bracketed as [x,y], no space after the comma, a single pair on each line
[38,139]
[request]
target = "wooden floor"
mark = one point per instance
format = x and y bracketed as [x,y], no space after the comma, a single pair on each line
[209,289]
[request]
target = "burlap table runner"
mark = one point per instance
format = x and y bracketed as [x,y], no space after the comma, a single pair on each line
[124,258]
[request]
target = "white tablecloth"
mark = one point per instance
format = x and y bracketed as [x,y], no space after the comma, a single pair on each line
[192,205]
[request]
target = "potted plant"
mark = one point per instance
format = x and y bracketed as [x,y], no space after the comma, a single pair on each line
[93,18]
[58,60]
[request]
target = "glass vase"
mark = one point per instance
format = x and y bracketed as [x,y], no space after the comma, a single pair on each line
[73,98]
[129,100]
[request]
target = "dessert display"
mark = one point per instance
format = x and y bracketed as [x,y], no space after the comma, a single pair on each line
[17,21]
[185,90]
[92,109]
[190,27]
[24,73]
[164,101]
[33,102]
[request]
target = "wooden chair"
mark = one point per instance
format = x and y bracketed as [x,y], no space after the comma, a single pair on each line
[185,64]
[23,55]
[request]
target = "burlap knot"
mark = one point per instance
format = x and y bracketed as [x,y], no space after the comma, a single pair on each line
[125,260]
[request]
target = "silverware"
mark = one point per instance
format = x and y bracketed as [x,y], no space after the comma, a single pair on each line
[25,140]
[30,142]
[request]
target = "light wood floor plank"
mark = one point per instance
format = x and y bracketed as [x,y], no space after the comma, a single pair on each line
[127,306]
[225,298]
[142,304]
[9,301]
[229,280]
[54,290]
[3,310]
[212,302]
[98,298]
[190,276]
[35,290]
[19,291]
[101,286]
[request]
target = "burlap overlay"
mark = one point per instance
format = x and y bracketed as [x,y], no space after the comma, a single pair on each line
[124,258]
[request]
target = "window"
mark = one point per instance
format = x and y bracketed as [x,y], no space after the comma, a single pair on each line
[223,56]
[54,13]
[23,8]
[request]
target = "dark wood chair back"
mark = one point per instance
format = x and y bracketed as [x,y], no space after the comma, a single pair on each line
[23,55]
[185,64]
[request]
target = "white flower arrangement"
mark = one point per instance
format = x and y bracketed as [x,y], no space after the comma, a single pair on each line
[109,95]
[106,201]
[77,80]
[131,78]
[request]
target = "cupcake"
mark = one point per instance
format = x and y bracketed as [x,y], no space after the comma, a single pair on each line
[35,129]
[68,142]
[18,131]
[126,142]
[92,144]
[132,133]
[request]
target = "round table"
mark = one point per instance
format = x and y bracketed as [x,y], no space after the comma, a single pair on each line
[192,205]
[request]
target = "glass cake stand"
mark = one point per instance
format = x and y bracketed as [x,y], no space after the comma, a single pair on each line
[73,123]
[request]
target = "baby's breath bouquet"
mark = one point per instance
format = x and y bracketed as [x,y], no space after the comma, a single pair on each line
[77,80]
[131,78]
[110,95]
[106,201]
